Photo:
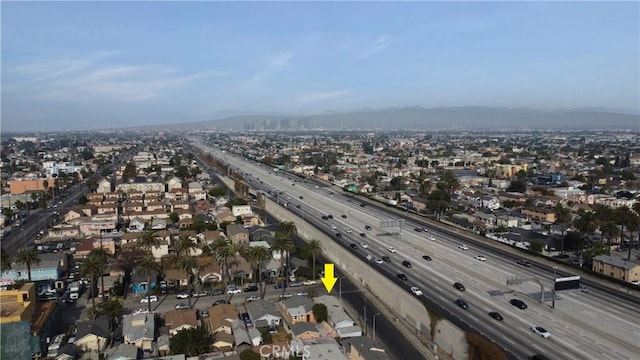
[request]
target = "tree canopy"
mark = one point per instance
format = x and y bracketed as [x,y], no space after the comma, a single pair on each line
[191,342]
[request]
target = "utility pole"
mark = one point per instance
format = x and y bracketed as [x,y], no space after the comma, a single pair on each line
[374,325]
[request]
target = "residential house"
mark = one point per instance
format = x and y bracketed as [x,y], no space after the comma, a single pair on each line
[616,268]
[539,214]
[264,313]
[18,304]
[139,330]
[93,335]
[209,270]
[63,231]
[51,267]
[67,352]
[209,237]
[238,210]
[305,331]
[122,352]
[297,309]
[220,318]
[364,348]
[178,194]
[237,234]
[419,203]
[240,335]
[174,183]
[95,198]
[249,220]
[178,320]
[158,224]
[136,225]
[104,186]
[337,318]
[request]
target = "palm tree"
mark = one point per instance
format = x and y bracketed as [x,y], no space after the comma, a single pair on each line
[587,223]
[633,224]
[28,257]
[257,256]
[563,217]
[147,241]
[92,267]
[147,266]
[283,245]
[315,248]
[185,246]
[609,230]
[288,228]
[189,265]
[5,260]
[102,255]
[223,250]
[622,215]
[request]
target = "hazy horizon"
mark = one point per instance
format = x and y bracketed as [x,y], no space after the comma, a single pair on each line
[93,65]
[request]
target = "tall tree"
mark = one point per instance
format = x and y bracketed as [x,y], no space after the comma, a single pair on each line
[185,246]
[92,267]
[102,255]
[609,231]
[283,245]
[622,216]
[148,267]
[315,248]
[633,224]
[5,260]
[586,223]
[258,256]
[147,241]
[563,217]
[223,250]
[28,257]
[190,342]
[189,266]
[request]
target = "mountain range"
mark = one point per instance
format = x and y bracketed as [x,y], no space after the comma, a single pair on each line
[419,118]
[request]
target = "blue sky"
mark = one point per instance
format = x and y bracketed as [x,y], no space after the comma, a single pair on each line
[86,65]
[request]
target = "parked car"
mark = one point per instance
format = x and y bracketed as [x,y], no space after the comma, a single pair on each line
[200,293]
[295,284]
[183,295]
[234,291]
[219,302]
[181,306]
[309,282]
[216,292]
[148,299]
[287,295]
[303,293]
[204,313]
[252,298]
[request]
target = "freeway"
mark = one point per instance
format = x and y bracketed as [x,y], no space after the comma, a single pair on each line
[25,235]
[592,325]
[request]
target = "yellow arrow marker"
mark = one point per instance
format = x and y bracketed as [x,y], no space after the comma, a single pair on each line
[328,279]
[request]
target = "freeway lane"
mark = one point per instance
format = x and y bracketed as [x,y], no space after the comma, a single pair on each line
[611,335]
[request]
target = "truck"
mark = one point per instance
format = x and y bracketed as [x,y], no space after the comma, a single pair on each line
[74,290]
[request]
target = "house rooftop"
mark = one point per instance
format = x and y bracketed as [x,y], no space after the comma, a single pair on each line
[617,262]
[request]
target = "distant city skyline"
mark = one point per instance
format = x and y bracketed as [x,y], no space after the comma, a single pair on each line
[92,65]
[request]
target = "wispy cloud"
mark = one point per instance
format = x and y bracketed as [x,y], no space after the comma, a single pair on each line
[322,96]
[91,77]
[273,65]
[380,44]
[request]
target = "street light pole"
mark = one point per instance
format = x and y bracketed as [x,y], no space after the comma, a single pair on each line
[374,325]
[553,290]
[340,287]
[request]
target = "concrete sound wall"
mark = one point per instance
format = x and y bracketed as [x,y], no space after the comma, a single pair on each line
[448,337]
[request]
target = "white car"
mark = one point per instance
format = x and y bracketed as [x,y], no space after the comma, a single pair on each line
[252,298]
[635,282]
[183,295]
[432,238]
[480,257]
[309,282]
[287,295]
[364,246]
[348,231]
[234,291]
[539,330]
[416,291]
[391,249]
[378,261]
[333,227]
[463,247]
[141,311]
[303,293]
[151,298]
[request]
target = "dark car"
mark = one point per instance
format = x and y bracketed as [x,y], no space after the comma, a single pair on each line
[344,216]
[426,257]
[279,286]
[518,303]
[339,236]
[496,315]
[463,304]
[219,302]
[353,246]
[524,263]
[402,277]
[417,229]
[216,292]
[363,234]
[459,286]
[406,264]
[250,288]
[330,216]
[367,227]
[363,204]
[301,197]
[325,217]
[385,258]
